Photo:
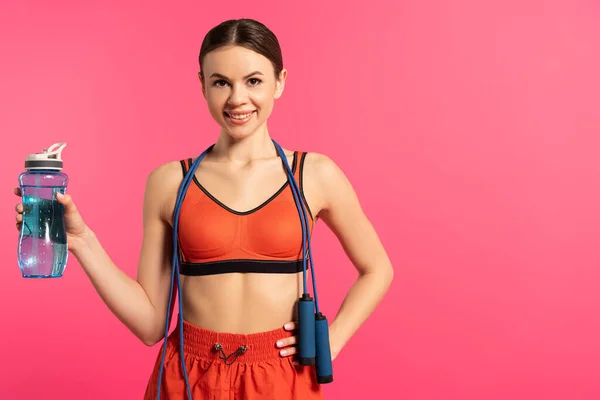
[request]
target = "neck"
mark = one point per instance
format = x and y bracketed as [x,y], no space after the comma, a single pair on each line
[254,146]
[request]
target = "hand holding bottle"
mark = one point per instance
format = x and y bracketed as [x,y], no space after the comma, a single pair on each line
[47,219]
[74,225]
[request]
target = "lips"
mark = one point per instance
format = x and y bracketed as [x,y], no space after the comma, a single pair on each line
[239,115]
[239,118]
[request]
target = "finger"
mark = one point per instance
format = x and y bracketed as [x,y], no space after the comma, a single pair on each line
[19,208]
[290,351]
[19,218]
[287,342]
[290,326]
[17,191]
[67,201]
[18,224]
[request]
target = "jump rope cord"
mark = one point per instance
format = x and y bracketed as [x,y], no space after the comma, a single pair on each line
[305,228]
[289,175]
[306,248]
[175,273]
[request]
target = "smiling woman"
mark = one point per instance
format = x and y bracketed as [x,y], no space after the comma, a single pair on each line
[241,245]
[239,99]
[242,74]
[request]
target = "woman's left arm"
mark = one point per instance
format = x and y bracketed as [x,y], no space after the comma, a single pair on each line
[340,209]
[343,214]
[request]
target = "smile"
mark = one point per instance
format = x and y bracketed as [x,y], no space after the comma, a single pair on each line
[238,118]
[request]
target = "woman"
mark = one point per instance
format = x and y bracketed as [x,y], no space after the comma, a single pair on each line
[240,241]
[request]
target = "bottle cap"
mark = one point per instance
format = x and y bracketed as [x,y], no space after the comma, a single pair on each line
[48,159]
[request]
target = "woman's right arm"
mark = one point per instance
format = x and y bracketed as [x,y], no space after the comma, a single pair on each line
[140,304]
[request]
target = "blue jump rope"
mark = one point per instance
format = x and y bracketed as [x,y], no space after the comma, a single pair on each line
[313,329]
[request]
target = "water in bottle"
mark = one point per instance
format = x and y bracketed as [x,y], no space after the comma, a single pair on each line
[42,248]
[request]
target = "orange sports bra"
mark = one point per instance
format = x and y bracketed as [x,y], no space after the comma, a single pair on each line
[214,239]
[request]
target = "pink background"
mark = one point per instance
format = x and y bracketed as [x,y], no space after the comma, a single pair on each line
[469,130]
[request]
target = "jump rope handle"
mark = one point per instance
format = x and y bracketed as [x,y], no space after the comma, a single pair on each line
[307,348]
[324,363]
[313,340]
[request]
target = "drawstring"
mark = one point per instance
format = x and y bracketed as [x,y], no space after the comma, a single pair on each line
[241,350]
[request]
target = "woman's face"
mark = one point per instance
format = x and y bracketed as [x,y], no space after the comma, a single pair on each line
[240,88]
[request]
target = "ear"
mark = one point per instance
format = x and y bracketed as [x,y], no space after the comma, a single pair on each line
[280,84]
[202,83]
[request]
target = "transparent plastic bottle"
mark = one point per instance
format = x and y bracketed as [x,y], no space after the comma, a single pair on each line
[42,249]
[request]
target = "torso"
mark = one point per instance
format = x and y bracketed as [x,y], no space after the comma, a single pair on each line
[243,302]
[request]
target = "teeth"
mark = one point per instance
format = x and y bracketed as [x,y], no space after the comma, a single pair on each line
[240,116]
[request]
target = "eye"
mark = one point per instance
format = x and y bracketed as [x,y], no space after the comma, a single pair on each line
[220,83]
[254,81]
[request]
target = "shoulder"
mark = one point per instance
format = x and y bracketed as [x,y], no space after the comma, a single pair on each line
[322,168]
[162,185]
[326,179]
[167,173]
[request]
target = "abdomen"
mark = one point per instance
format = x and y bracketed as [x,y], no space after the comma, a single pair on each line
[240,303]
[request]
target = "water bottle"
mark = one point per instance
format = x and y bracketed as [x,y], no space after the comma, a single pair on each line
[42,249]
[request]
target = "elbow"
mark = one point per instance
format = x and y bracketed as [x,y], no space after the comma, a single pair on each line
[152,334]
[388,275]
[383,270]
[150,341]
[151,338]
[382,273]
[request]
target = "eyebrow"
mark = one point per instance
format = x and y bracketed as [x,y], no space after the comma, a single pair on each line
[217,75]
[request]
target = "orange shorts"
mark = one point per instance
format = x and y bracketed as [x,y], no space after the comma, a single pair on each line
[246,367]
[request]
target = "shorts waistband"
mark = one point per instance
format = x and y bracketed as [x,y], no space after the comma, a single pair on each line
[229,347]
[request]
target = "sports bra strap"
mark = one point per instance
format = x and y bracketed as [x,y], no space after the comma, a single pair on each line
[296,166]
[184,166]
[299,176]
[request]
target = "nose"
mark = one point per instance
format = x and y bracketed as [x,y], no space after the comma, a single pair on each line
[239,96]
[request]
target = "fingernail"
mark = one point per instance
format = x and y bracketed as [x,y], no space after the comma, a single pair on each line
[280,343]
[60,195]
[283,352]
[287,326]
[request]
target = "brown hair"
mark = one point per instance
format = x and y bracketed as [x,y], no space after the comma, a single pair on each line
[247,33]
